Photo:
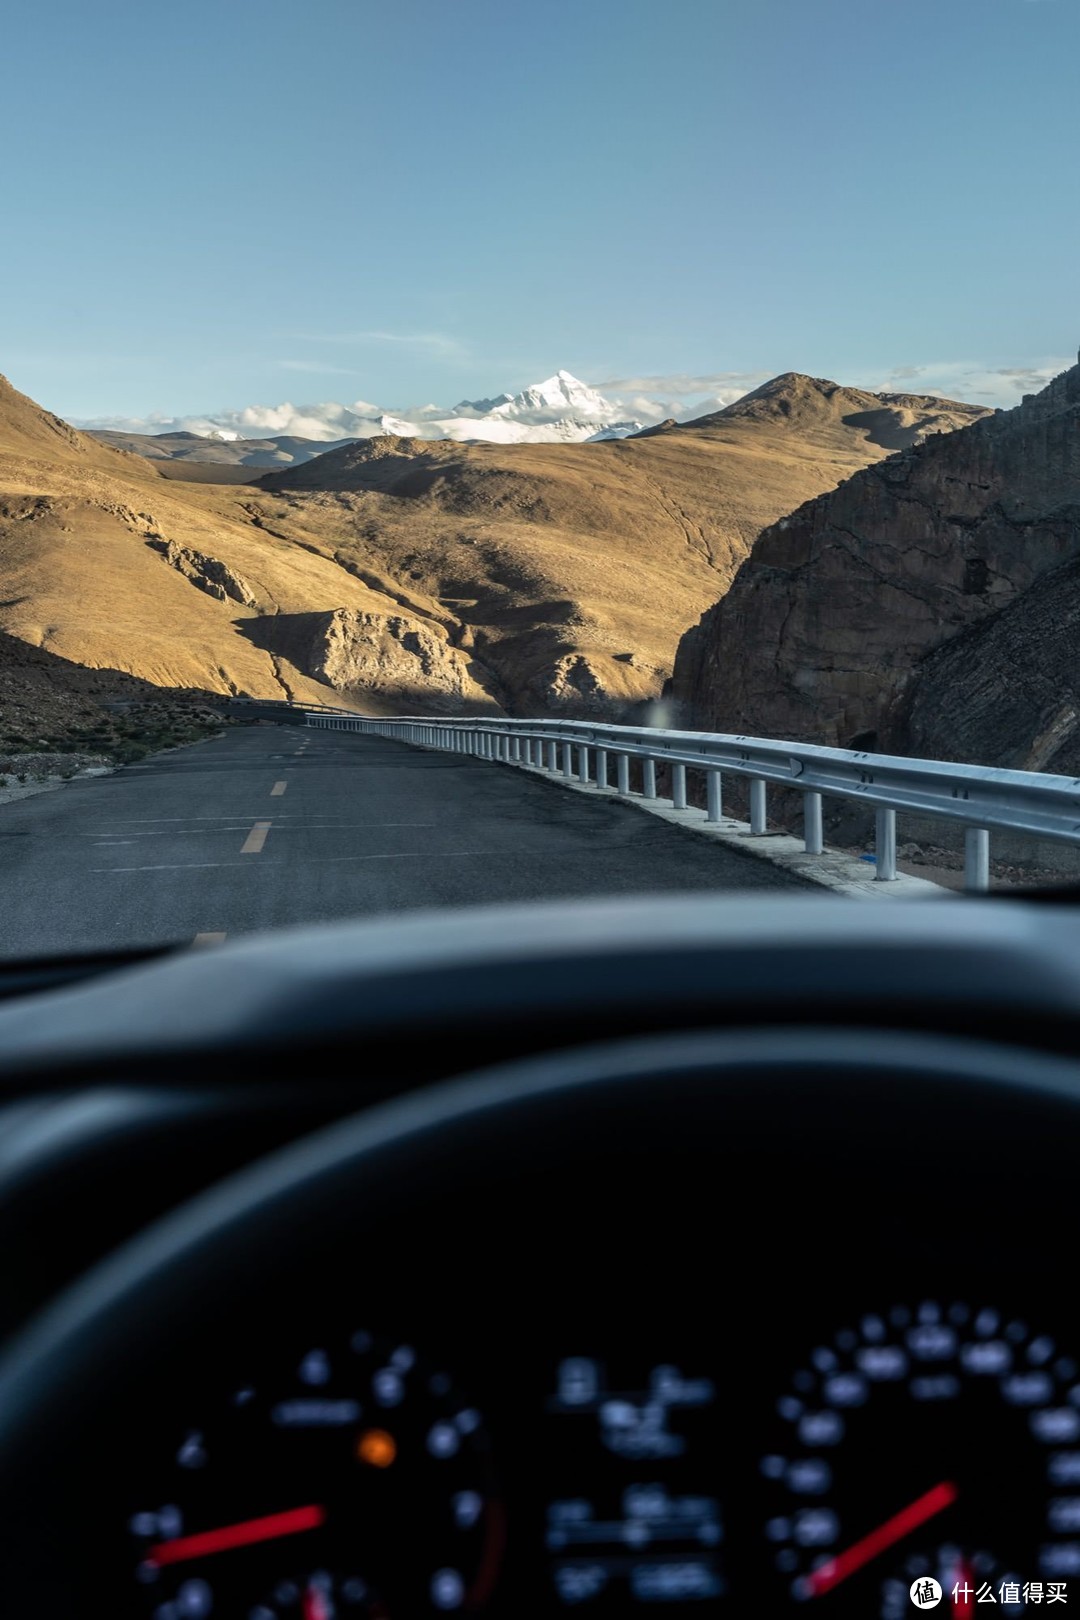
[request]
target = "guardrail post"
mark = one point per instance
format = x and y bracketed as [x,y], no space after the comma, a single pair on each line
[552,755]
[567,760]
[885,846]
[622,773]
[758,823]
[526,750]
[813,837]
[976,858]
[583,765]
[601,767]
[515,749]
[678,787]
[648,772]
[714,793]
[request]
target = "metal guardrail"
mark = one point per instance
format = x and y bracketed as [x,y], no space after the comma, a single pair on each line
[982,798]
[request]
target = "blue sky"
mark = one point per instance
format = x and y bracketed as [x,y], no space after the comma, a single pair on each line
[225,202]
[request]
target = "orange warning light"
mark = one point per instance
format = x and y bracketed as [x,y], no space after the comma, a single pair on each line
[376,1448]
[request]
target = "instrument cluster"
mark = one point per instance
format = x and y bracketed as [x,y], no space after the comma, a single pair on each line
[933,1439]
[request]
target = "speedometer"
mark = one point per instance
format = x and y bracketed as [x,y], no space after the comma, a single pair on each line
[356,1481]
[939,1444]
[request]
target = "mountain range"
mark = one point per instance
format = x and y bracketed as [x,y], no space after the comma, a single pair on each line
[399,572]
[561,409]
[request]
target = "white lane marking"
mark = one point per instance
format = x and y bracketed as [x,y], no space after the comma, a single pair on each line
[209,939]
[329,860]
[239,815]
[243,822]
[278,789]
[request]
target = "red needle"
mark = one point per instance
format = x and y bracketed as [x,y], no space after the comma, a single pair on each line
[314,1606]
[964,1578]
[237,1535]
[837,1569]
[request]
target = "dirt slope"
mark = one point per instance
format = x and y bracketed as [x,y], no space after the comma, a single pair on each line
[414,574]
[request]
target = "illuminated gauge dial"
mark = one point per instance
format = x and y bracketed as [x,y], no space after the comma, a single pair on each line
[354,1482]
[939,1440]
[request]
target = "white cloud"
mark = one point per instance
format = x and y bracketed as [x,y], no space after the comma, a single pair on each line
[435,344]
[680,394]
[315,367]
[685,383]
[970,380]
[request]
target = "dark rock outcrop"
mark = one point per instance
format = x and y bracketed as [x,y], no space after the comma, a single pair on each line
[927,605]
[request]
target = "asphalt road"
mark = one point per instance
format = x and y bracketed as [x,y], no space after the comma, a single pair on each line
[269,825]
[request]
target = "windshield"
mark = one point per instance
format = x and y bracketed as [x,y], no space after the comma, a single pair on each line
[438,437]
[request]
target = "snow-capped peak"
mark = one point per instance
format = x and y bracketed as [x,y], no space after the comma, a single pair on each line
[561,408]
[555,398]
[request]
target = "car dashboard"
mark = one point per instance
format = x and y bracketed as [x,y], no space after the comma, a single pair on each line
[671,1256]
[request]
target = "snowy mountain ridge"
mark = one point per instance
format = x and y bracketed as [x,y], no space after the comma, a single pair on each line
[562,408]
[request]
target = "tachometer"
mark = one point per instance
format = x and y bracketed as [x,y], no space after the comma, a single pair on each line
[357,1483]
[940,1444]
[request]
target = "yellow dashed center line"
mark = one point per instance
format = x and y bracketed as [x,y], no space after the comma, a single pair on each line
[255,839]
[277,790]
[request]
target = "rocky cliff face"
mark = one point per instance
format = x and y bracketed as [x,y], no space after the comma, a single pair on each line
[392,660]
[915,605]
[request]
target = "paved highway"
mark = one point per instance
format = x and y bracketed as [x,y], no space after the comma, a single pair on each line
[269,825]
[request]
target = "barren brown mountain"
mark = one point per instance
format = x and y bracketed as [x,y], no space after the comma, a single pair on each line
[415,574]
[930,605]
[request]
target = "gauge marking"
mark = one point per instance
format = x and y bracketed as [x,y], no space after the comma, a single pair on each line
[245,1534]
